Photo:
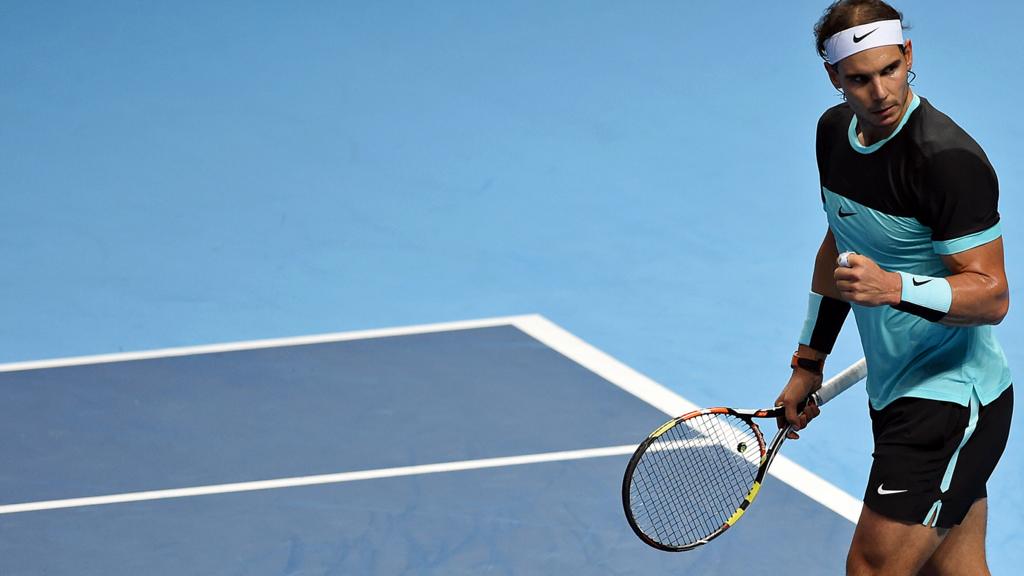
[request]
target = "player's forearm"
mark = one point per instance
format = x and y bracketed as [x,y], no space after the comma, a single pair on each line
[978,299]
[974,298]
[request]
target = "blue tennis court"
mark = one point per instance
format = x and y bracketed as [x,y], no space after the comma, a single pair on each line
[179,177]
[528,445]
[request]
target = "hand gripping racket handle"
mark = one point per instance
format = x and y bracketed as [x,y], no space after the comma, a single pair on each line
[840,382]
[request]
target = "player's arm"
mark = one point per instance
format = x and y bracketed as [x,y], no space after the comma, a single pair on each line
[981,294]
[825,317]
[975,293]
[822,284]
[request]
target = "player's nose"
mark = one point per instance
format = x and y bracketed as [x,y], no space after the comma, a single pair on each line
[878,91]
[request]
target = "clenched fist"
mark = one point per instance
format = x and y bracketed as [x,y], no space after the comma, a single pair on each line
[865,283]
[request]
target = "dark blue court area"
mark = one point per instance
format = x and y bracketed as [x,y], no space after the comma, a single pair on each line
[300,410]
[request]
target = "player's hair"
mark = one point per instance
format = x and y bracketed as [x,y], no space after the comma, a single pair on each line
[844,14]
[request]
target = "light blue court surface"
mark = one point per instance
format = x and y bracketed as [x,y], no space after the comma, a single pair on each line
[180,174]
[367,404]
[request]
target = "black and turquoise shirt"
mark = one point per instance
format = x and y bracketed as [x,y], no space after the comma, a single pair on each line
[925,191]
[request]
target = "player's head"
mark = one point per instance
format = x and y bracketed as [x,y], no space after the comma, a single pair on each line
[867,59]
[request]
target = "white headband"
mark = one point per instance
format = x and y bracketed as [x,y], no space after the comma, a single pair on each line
[863,37]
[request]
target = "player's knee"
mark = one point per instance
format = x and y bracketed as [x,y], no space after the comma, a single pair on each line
[861,562]
[855,565]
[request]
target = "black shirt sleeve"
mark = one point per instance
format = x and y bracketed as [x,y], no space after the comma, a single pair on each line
[961,194]
[820,150]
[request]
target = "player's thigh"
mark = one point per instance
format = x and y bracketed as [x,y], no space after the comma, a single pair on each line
[963,549]
[882,545]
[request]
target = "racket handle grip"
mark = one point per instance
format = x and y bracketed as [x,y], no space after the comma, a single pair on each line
[840,382]
[844,259]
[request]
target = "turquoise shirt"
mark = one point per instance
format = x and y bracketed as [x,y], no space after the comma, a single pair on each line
[906,354]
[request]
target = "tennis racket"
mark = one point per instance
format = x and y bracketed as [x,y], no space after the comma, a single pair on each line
[695,476]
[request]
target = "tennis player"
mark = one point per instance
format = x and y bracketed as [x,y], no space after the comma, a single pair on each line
[914,198]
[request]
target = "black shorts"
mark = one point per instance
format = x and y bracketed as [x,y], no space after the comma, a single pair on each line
[921,472]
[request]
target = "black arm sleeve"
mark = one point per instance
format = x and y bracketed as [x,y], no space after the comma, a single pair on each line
[831,315]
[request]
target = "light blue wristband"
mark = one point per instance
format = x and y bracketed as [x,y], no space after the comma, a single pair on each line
[925,296]
[813,306]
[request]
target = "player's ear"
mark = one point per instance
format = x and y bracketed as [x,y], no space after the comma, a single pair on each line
[908,54]
[833,75]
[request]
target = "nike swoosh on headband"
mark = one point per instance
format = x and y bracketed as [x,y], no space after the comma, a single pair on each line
[857,39]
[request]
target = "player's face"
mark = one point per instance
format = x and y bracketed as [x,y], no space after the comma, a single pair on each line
[875,84]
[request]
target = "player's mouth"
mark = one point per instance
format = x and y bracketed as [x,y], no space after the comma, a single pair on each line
[883,112]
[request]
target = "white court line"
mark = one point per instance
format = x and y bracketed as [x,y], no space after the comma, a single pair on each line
[320,479]
[535,325]
[800,478]
[258,344]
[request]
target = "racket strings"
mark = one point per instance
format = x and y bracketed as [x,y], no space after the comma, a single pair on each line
[693,477]
[671,505]
[716,507]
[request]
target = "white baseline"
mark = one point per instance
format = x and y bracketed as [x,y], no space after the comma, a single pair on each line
[319,479]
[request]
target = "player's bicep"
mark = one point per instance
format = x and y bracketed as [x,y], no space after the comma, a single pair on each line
[978,282]
[985,261]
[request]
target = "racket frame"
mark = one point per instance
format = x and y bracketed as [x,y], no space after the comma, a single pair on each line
[829,390]
[768,452]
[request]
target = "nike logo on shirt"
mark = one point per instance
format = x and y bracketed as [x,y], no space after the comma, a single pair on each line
[884,492]
[845,214]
